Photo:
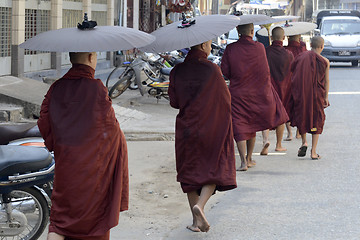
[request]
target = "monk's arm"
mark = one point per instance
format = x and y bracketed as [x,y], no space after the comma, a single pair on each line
[171,90]
[225,68]
[327,83]
[44,122]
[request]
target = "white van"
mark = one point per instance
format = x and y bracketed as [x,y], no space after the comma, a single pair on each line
[341,32]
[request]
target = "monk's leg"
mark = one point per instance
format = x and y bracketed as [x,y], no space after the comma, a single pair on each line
[279,134]
[298,135]
[55,236]
[315,139]
[193,199]
[289,133]
[266,143]
[198,209]
[250,145]
[303,148]
[241,145]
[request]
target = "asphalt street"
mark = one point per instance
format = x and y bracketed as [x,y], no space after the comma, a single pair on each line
[284,196]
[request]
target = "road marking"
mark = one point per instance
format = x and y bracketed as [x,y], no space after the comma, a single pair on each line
[271,154]
[344,93]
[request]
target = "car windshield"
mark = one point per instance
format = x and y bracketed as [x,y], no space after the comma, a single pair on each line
[342,27]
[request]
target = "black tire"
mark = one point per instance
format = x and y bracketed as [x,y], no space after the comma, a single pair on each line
[354,63]
[115,74]
[33,230]
[120,87]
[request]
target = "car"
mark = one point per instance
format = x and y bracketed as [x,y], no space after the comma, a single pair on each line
[340,30]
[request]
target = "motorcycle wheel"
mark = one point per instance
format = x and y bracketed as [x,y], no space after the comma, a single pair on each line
[133,85]
[120,87]
[37,219]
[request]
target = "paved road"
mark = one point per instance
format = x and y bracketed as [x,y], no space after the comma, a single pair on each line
[283,197]
[286,197]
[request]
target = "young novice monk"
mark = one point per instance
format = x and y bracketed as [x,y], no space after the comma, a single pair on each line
[309,89]
[205,158]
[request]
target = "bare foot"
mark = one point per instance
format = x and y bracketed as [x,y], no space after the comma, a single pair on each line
[280,149]
[202,223]
[265,149]
[251,163]
[243,167]
[193,228]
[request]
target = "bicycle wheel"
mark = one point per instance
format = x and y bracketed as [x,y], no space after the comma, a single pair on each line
[120,87]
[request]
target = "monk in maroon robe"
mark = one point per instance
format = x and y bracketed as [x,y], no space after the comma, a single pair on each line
[204,145]
[280,60]
[91,184]
[255,105]
[295,45]
[310,88]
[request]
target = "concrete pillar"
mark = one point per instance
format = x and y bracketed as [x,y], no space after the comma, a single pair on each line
[87,8]
[18,37]
[136,16]
[56,23]
[110,22]
[163,15]
[110,13]
[124,22]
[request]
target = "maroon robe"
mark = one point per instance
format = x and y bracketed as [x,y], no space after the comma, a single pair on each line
[296,47]
[255,104]
[280,60]
[204,142]
[308,92]
[91,184]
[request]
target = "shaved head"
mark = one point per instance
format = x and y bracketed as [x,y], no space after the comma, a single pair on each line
[295,38]
[246,29]
[86,58]
[317,42]
[278,34]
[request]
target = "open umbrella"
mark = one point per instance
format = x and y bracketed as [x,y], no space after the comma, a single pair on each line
[88,38]
[187,33]
[290,29]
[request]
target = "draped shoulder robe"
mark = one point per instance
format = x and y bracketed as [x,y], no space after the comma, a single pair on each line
[255,104]
[91,184]
[296,47]
[308,92]
[280,60]
[204,142]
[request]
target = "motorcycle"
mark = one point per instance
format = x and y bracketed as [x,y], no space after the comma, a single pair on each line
[26,176]
[148,74]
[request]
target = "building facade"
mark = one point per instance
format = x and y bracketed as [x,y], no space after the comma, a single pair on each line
[23,19]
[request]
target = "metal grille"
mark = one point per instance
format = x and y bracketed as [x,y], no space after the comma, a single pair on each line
[36,21]
[99,1]
[71,18]
[5,32]
[99,17]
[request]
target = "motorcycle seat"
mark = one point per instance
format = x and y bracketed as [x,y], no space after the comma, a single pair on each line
[22,159]
[10,132]
[166,71]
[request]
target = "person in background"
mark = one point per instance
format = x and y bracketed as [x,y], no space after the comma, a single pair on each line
[309,90]
[255,105]
[204,145]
